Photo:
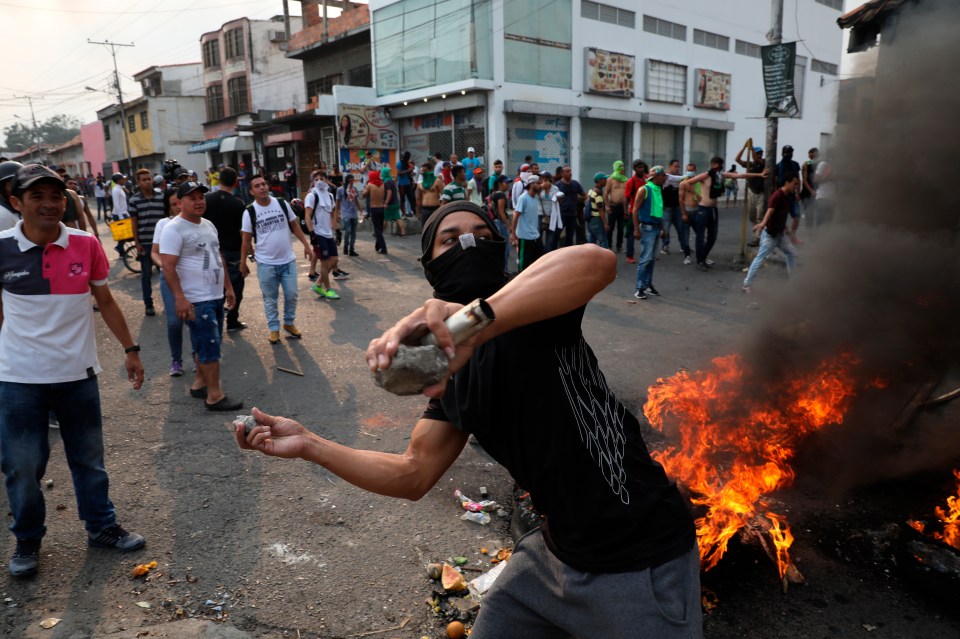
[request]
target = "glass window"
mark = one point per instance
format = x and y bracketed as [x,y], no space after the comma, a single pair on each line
[747,49]
[361,76]
[237,92]
[799,79]
[144,120]
[324,85]
[660,143]
[664,28]
[420,43]
[106,130]
[666,82]
[131,123]
[211,53]
[234,43]
[601,143]
[705,144]
[713,40]
[541,40]
[214,102]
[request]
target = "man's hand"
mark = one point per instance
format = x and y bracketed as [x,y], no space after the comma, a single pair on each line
[636,233]
[229,299]
[429,318]
[307,250]
[139,248]
[274,436]
[134,369]
[244,269]
[184,309]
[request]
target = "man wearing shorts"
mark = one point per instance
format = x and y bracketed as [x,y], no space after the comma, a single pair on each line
[196,274]
[269,223]
[320,207]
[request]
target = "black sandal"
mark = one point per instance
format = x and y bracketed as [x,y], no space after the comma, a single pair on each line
[225,404]
[199,393]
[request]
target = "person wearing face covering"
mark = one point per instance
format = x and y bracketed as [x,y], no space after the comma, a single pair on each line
[617,538]
[375,195]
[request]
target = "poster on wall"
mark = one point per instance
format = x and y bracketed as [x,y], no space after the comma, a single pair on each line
[609,73]
[361,161]
[713,90]
[365,127]
[778,83]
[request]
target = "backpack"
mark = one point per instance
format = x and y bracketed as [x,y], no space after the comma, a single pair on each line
[283,207]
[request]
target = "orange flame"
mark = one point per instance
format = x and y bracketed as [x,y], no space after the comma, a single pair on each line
[736,437]
[949,517]
[782,540]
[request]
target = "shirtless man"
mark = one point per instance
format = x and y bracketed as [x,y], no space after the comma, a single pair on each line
[613,199]
[707,218]
[375,196]
[689,195]
[429,191]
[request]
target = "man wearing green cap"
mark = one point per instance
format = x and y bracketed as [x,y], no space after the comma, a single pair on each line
[648,228]
[597,225]
[613,198]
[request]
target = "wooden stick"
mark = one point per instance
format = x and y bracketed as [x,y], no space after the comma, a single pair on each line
[289,370]
[942,398]
[377,632]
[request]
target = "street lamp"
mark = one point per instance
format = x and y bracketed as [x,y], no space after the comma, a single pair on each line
[123,127]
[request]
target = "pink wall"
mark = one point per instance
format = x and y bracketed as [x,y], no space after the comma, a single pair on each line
[94,149]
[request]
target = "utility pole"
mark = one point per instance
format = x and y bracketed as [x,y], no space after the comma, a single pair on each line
[775,36]
[33,122]
[123,112]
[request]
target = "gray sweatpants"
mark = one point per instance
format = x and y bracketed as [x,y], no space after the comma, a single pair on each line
[539,597]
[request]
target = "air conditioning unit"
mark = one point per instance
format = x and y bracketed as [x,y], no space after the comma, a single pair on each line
[277,36]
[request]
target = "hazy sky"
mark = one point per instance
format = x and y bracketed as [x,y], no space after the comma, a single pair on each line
[46,54]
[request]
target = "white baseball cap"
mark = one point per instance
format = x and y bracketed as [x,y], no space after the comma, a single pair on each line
[471,150]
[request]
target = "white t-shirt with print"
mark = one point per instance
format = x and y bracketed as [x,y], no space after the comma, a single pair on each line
[119,197]
[200,268]
[274,247]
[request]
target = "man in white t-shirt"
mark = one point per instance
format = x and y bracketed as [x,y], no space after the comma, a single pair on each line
[320,209]
[270,222]
[196,274]
[119,197]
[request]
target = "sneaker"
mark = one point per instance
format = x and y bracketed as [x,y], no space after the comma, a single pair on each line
[340,275]
[312,277]
[116,537]
[687,260]
[176,369]
[653,291]
[665,250]
[149,311]
[353,254]
[318,289]
[755,242]
[702,267]
[640,295]
[630,260]
[331,294]
[293,330]
[709,262]
[274,337]
[236,326]
[52,421]
[26,558]
[747,289]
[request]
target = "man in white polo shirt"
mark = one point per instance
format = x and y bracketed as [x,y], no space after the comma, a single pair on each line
[49,364]
[269,222]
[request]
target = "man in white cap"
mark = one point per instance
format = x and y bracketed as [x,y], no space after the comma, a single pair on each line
[471,162]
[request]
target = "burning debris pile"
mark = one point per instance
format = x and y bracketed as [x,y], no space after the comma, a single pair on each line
[948,520]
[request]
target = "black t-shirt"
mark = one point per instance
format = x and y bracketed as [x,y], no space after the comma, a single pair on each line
[570,199]
[781,203]
[495,198]
[226,212]
[755,184]
[537,402]
[671,195]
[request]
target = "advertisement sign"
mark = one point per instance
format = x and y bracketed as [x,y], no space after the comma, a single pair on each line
[363,127]
[609,73]
[778,65]
[362,161]
[713,90]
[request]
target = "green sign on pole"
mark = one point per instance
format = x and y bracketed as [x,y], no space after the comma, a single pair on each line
[778,66]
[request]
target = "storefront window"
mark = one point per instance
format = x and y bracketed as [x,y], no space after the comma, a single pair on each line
[705,144]
[420,43]
[545,138]
[601,143]
[537,42]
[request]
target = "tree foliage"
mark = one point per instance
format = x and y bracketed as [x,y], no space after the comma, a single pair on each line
[56,130]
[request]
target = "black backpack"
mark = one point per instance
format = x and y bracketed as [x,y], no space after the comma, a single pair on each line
[716,184]
[283,207]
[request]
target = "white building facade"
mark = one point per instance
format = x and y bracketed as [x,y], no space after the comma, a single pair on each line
[585,83]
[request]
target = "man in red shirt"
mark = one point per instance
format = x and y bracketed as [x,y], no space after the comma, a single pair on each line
[634,184]
[775,234]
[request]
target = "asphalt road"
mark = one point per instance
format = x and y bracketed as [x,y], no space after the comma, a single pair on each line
[285,549]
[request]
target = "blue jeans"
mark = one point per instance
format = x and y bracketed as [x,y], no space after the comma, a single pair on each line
[232,258]
[206,330]
[505,233]
[271,279]
[767,244]
[101,206]
[705,221]
[595,232]
[146,276]
[174,323]
[349,235]
[25,450]
[673,216]
[649,237]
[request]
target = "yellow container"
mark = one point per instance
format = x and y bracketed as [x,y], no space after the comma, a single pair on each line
[122,229]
